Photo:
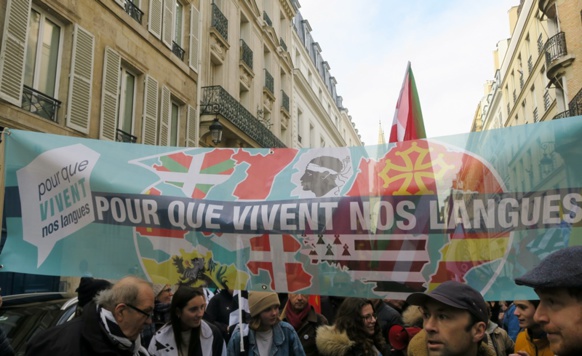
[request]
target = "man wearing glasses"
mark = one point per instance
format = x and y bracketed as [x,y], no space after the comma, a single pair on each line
[111,324]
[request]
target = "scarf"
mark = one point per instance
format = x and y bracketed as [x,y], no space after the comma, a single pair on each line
[296,319]
[115,334]
[161,312]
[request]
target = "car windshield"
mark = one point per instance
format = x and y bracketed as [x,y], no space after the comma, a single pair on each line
[22,322]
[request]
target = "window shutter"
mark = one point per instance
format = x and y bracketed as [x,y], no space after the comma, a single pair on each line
[168,26]
[150,111]
[191,128]
[155,18]
[80,80]
[110,94]
[165,117]
[12,51]
[194,37]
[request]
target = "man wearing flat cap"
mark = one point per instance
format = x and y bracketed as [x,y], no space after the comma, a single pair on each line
[557,280]
[455,318]
[266,334]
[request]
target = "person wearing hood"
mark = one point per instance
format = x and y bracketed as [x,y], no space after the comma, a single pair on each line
[356,332]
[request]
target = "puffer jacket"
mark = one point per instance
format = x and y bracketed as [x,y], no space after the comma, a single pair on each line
[417,346]
[332,342]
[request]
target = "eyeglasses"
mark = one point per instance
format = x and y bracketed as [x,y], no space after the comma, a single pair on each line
[149,315]
[369,317]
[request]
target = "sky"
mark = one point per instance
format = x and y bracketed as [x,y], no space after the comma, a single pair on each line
[449,43]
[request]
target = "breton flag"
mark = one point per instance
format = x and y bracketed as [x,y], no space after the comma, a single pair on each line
[393,262]
[407,124]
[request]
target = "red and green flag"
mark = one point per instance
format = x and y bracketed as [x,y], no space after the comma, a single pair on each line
[408,123]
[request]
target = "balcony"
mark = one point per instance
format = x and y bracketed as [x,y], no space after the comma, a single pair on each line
[123,136]
[133,11]
[267,19]
[217,101]
[246,54]
[40,104]
[219,22]
[284,101]
[177,50]
[282,44]
[269,82]
[575,104]
[556,55]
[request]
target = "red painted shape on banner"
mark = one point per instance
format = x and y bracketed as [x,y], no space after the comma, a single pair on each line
[261,243]
[297,278]
[263,169]
[255,266]
[290,244]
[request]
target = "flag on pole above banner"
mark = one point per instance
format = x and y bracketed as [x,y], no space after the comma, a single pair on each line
[407,124]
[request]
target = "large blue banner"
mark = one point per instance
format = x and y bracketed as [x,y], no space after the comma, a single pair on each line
[375,221]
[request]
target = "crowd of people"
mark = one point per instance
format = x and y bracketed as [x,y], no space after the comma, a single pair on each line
[134,317]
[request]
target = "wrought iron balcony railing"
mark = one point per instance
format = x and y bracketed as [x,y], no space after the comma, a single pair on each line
[562,115]
[555,48]
[40,104]
[540,43]
[133,11]
[267,19]
[217,101]
[283,44]
[219,21]
[269,82]
[177,50]
[284,100]
[575,104]
[123,136]
[246,54]
[547,100]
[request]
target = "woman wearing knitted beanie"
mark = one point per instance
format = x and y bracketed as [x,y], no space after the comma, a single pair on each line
[163,296]
[187,334]
[266,334]
[355,332]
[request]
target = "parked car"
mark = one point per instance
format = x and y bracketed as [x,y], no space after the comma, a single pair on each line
[24,315]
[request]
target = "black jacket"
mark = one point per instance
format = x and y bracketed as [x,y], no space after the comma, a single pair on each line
[83,336]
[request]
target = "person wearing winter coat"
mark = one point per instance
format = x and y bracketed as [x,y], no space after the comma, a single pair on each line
[356,332]
[109,325]
[163,292]
[266,335]
[455,318]
[304,319]
[187,334]
[532,339]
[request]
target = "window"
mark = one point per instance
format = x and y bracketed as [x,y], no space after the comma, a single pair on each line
[177,47]
[41,71]
[179,16]
[42,54]
[126,101]
[174,124]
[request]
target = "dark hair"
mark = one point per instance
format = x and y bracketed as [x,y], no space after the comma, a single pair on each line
[183,295]
[349,320]
[575,293]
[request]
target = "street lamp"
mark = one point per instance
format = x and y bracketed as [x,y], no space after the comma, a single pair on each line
[216,131]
